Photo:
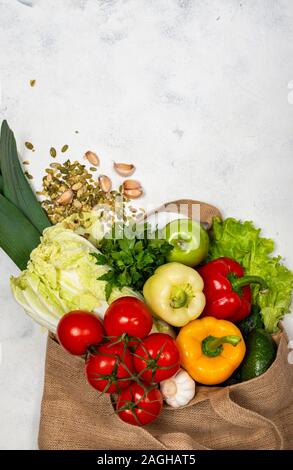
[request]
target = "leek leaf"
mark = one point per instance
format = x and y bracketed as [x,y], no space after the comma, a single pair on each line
[18,237]
[16,188]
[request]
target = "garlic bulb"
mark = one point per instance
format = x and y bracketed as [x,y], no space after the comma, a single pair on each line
[178,390]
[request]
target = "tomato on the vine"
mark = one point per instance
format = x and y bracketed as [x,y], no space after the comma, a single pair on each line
[110,368]
[77,330]
[139,405]
[156,358]
[128,315]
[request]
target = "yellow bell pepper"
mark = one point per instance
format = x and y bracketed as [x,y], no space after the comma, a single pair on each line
[175,293]
[210,349]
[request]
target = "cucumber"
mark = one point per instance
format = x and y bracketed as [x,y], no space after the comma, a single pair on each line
[251,322]
[260,354]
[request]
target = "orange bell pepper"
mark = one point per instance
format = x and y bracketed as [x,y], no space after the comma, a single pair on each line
[210,349]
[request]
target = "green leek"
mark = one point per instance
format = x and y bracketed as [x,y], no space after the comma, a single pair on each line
[16,188]
[18,237]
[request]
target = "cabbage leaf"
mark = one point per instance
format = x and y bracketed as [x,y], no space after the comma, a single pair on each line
[61,276]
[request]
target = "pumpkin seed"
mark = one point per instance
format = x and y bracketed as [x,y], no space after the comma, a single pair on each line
[69,189]
[77,204]
[53,152]
[55,165]
[28,175]
[29,145]
[76,186]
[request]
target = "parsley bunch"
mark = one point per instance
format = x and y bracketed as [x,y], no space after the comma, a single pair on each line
[133,256]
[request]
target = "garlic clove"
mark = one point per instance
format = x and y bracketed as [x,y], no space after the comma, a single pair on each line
[173,402]
[131,184]
[124,169]
[92,158]
[132,189]
[65,198]
[168,388]
[132,193]
[105,183]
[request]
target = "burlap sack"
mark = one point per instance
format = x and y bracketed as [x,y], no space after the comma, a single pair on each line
[257,414]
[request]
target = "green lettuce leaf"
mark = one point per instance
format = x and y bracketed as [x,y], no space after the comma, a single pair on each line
[242,242]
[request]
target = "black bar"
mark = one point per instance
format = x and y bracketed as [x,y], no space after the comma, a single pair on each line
[134,459]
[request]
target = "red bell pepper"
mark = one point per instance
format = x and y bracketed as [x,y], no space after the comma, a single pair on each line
[227,289]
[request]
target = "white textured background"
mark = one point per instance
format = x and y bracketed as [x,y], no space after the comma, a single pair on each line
[197,93]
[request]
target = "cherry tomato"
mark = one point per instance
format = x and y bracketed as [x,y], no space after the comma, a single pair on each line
[77,330]
[128,315]
[140,405]
[109,370]
[156,358]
